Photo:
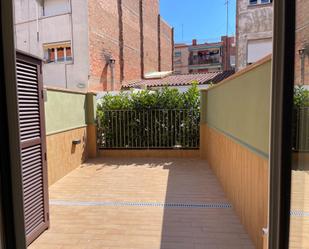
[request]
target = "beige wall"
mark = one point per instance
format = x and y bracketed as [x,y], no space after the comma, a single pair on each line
[235,142]
[64,111]
[240,107]
[69,116]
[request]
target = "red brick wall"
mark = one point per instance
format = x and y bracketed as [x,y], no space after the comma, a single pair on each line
[115,29]
[103,42]
[302,38]
[228,51]
[166,46]
[132,39]
[150,31]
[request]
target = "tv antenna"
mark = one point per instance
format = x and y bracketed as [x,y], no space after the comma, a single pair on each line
[227,2]
[182,31]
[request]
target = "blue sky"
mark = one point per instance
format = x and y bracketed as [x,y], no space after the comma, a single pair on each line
[204,20]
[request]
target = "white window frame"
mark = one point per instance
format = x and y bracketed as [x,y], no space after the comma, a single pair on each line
[259,2]
[55,46]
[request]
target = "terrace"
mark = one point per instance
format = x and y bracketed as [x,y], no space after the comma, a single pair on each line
[141,203]
[185,181]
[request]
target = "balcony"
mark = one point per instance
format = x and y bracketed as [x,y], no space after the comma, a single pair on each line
[202,61]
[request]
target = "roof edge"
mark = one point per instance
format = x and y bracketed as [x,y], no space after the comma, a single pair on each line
[243,71]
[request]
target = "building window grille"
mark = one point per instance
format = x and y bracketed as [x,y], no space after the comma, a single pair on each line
[57,53]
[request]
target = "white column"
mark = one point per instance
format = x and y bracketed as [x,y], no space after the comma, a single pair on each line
[56,55]
[65,53]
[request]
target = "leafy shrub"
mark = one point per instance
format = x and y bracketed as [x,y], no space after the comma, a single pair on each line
[166,98]
[301,97]
[163,118]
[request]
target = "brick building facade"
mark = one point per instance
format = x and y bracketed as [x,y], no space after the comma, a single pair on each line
[95,44]
[302,43]
[206,57]
[133,34]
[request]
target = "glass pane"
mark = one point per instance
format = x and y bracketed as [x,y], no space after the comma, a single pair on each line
[299,229]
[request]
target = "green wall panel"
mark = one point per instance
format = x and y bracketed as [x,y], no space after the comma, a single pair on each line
[240,108]
[64,111]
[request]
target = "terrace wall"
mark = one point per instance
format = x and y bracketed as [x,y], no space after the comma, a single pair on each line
[235,142]
[68,117]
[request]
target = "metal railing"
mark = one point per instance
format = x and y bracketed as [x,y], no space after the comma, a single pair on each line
[202,61]
[300,132]
[149,129]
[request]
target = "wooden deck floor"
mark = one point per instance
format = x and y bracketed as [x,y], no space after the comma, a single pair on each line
[299,229]
[131,204]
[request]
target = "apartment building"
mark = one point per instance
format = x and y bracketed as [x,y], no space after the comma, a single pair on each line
[206,57]
[254,21]
[94,44]
[181,58]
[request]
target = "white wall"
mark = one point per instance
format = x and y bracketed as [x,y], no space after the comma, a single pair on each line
[60,26]
[253,23]
[56,7]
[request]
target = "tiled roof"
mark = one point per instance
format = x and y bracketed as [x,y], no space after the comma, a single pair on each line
[181,80]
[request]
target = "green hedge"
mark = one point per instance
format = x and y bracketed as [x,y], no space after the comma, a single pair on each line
[150,119]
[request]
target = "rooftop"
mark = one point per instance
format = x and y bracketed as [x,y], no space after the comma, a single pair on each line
[181,80]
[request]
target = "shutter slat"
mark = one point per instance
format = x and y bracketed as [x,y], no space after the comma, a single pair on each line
[31,228]
[24,65]
[31,188]
[27,73]
[36,211]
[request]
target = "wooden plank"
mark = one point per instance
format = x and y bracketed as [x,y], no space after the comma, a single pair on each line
[62,155]
[243,176]
[150,153]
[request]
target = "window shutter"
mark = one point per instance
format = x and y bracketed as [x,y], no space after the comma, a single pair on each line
[33,145]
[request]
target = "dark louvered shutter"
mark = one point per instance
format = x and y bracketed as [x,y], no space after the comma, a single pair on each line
[33,145]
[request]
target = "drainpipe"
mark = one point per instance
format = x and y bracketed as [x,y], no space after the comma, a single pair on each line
[303,52]
[37,22]
[112,62]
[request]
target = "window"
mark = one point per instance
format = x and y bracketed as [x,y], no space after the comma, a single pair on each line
[254,2]
[56,7]
[232,60]
[57,52]
[177,54]
[257,49]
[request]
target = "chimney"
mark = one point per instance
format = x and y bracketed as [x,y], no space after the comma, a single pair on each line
[194,42]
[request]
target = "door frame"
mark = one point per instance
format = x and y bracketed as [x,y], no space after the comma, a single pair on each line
[12,209]
[281,123]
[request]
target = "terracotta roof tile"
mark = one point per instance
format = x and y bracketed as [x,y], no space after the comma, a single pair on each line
[181,80]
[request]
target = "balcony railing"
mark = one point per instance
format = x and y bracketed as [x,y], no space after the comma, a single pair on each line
[149,129]
[204,61]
